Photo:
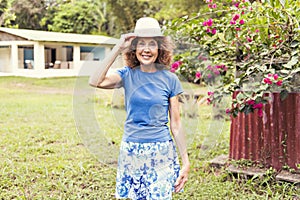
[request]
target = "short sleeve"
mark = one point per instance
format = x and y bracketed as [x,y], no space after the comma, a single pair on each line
[123,71]
[175,86]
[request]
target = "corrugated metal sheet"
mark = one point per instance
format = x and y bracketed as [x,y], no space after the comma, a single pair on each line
[272,140]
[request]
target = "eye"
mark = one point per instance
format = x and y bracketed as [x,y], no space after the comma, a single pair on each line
[141,44]
[153,44]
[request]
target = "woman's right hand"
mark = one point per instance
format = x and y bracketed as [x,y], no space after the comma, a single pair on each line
[125,40]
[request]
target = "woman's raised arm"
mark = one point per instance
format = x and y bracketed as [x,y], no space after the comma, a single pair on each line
[100,78]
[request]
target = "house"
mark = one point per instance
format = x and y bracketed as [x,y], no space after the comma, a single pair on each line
[51,54]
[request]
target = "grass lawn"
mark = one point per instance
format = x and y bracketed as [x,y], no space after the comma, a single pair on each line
[59,140]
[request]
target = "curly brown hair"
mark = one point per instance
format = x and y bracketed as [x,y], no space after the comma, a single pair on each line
[164,58]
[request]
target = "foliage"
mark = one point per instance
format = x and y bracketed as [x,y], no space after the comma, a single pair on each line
[108,17]
[28,14]
[3,6]
[77,17]
[4,14]
[241,46]
[124,13]
[169,9]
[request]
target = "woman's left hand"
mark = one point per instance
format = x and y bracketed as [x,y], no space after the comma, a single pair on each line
[182,178]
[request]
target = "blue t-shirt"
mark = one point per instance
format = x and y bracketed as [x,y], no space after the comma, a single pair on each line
[147,103]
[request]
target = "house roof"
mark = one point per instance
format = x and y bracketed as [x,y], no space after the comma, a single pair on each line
[46,36]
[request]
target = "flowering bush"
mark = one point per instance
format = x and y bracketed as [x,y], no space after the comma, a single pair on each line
[249,47]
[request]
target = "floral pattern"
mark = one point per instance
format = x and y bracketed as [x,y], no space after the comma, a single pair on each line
[147,170]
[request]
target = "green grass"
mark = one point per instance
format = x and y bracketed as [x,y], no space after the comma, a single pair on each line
[55,138]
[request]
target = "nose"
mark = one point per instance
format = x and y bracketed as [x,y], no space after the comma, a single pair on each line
[146,49]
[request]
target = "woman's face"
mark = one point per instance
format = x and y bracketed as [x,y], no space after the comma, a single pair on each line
[146,51]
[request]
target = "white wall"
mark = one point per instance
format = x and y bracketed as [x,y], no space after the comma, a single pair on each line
[5,60]
[89,67]
[21,58]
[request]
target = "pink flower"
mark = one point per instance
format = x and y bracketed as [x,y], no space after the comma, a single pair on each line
[175,65]
[209,75]
[251,102]
[242,22]
[228,111]
[238,29]
[214,31]
[209,22]
[204,23]
[214,5]
[208,30]
[249,39]
[270,75]
[267,81]
[223,67]
[209,1]
[260,112]
[209,6]
[232,22]
[243,12]
[198,74]
[275,76]
[208,100]
[209,67]
[257,30]
[210,93]
[236,17]
[237,4]
[279,83]
[258,106]
[216,72]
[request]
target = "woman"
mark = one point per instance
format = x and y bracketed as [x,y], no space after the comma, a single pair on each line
[148,166]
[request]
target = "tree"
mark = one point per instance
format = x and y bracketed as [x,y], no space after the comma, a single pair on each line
[170,9]
[28,13]
[111,17]
[6,14]
[3,7]
[76,17]
[123,15]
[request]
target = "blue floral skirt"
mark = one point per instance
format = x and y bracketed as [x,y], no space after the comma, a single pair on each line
[147,170]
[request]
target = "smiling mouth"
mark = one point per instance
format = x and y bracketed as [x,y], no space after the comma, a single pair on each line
[146,56]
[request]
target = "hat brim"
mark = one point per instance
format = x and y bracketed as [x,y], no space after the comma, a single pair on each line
[148,33]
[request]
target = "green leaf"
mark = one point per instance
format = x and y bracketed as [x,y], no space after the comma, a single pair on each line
[284,71]
[291,63]
[295,44]
[237,81]
[295,52]
[264,87]
[248,109]
[284,94]
[221,36]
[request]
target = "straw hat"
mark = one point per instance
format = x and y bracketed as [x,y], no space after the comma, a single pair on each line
[147,27]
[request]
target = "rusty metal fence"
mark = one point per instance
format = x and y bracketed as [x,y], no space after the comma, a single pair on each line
[272,140]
